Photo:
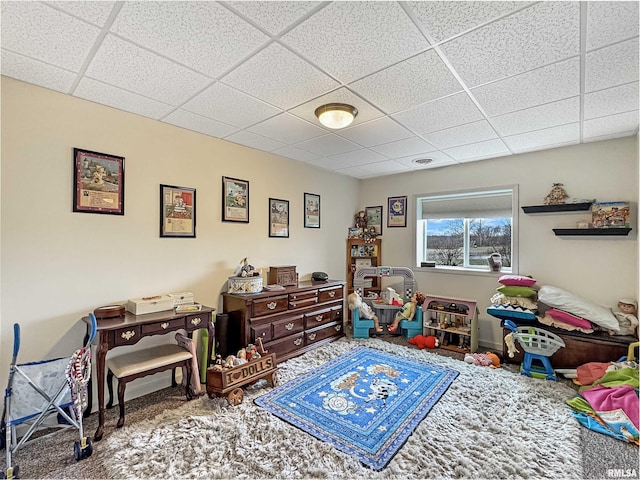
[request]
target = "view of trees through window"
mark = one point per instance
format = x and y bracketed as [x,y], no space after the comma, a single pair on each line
[467,241]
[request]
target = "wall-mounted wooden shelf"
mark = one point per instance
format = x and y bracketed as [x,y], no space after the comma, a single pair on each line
[591,231]
[565,207]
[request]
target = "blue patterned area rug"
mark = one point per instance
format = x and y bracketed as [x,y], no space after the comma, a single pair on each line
[366,402]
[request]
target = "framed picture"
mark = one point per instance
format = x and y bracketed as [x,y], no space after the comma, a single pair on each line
[177,211]
[397,212]
[98,182]
[374,218]
[235,200]
[311,210]
[278,218]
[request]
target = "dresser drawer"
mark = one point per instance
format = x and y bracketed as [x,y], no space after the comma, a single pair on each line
[267,306]
[336,313]
[285,345]
[126,336]
[319,317]
[162,327]
[261,331]
[287,326]
[295,297]
[305,302]
[328,294]
[199,320]
[318,334]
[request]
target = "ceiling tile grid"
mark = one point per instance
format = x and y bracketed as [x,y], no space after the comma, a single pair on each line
[453,82]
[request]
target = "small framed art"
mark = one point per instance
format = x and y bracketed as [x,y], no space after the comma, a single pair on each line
[177,211]
[311,210]
[278,218]
[98,182]
[235,200]
[374,218]
[397,212]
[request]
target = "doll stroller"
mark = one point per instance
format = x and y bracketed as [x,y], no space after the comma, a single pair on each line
[538,344]
[36,390]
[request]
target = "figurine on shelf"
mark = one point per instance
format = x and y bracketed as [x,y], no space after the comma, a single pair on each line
[246,270]
[361,220]
[370,234]
[407,311]
[556,196]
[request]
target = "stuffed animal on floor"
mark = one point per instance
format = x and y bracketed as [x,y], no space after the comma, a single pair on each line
[421,341]
[487,359]
[511,345]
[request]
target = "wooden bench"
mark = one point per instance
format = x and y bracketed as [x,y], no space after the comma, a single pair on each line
[141,363]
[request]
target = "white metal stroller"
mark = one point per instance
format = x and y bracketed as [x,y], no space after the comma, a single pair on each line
[38,389]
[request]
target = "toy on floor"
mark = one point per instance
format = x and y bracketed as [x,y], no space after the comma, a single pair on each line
[355,302]
[511,345]
[487,359]
[407,311]
[422,341]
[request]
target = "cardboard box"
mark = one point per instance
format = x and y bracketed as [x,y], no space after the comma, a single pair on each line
[611,215]
[157,303]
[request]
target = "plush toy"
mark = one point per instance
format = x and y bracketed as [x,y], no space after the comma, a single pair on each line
[421,341]
[487,359]
[511,345]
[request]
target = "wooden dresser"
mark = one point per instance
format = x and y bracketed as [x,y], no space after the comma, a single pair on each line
[290,321]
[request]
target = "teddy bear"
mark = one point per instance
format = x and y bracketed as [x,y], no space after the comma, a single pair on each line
[422,341]
[487,359]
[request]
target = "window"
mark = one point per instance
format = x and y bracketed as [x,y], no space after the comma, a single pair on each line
[459,231]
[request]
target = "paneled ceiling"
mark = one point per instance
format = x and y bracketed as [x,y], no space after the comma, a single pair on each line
[453,82]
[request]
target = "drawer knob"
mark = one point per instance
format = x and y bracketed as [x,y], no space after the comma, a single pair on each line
[289,326]
[196,321]
[319,318]
[297,342]
[164,325]
[338,328]
[128,335]
[332,294]
[272,305]
[312,336]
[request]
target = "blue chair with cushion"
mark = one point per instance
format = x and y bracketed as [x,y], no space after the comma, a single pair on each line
[411,328]
[361,326]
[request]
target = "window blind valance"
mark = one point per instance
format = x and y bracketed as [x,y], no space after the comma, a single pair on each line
[495,204]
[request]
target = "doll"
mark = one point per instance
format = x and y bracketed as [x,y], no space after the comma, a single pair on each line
[355,301]
[407,311]
[627,316]
[361,219]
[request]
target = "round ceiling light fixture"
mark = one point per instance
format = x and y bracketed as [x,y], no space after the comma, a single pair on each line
[423,161]
[336,115]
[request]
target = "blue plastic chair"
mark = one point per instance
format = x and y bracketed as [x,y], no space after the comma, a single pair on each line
[411,328]
[361,326]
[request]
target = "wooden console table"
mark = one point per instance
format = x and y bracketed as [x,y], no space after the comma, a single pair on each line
[128,330]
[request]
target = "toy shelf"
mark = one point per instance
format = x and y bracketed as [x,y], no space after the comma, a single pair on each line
[591,231]
[453,321]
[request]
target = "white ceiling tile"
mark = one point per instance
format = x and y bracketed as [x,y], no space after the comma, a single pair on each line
[91,11]
[225,104]
[477,151]
[287,129]
[440,159]
[360,172]
[132,68]
[350,159]
[609,22]
[404,147]
[38,73]
[297,154]
[440,114]
[622,122]
[191,121]
[563,134]
[202,35]
[387,167]
[612,66]
[417,80]
[443,20]
[274,16]
[612,100]
[375,132]
[469,133]
[539,35]
[544,85]
[117,98]
[609,137]
[328,145]
[366,111]
[254,140]
[537,118]
[376,35]
[279,77]
[35,30]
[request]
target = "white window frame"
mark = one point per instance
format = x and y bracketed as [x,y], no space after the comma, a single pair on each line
[484,271]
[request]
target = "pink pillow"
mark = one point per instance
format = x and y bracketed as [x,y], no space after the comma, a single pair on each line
[517,280]
[569,318]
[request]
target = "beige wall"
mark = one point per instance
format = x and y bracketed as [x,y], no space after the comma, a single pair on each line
[596,268]
[58,265]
